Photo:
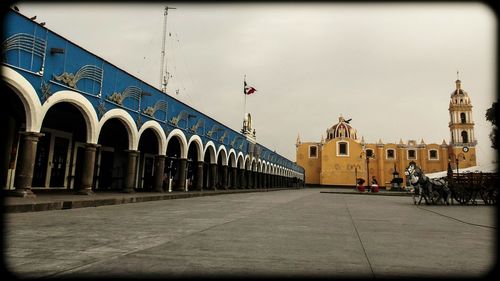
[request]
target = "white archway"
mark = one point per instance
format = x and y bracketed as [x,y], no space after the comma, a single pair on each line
[232,155]
[27,95]
[248,160]
[160,133]
[182,141]
[253,164]
[213,152]
[241,160]
[83,105]
[127,121]
[199,144]
[225,157]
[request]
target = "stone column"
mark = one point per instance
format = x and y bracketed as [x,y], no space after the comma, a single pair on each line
[252,179]
[181,184]
[245,178]
[199,176]
[213,176]
[131,171]
[242,178]
[26,164]
[224,177]
[88,169]
[234,178]
[159,173]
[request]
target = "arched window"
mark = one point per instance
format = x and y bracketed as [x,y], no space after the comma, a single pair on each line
[390,154]
[462,118]
[465,137]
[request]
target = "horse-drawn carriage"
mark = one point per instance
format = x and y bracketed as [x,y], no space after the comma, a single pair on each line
[463,188]
[469,187]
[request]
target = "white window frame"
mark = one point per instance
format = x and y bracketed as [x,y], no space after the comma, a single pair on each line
[338,149]
[309,151]
[429,155]
[387,154]
[408,154]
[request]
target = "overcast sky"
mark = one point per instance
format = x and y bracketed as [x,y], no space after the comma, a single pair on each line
[389,67]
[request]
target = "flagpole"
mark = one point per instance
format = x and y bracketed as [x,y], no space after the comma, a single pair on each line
[245,94]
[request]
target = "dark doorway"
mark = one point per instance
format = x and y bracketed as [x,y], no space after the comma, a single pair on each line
[148,147]
[59,159]
[113,139]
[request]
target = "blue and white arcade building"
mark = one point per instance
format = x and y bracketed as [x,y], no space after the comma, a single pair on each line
[72,120]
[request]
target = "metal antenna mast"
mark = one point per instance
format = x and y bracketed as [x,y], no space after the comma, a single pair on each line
[163,67]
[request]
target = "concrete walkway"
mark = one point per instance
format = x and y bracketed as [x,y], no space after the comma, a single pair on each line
[288,233]
[65,199]
[48,200]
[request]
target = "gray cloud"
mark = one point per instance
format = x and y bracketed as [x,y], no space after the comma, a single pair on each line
[390,67]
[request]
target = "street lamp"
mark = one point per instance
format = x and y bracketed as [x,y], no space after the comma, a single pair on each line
[368,157]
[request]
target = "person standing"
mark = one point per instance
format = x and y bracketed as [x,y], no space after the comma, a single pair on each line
[374,185]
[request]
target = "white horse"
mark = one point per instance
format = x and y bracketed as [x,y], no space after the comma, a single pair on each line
[431,190]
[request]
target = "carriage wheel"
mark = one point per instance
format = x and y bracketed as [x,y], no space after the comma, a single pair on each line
[461,195]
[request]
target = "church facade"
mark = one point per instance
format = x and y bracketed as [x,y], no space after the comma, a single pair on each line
[343,157]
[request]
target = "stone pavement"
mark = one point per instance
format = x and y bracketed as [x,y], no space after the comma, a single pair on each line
[47,200]
[287,233]
[64,199]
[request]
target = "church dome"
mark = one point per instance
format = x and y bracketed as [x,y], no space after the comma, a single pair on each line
[341,130]
[459,96]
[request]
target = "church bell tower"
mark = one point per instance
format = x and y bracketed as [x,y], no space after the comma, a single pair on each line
[462,145]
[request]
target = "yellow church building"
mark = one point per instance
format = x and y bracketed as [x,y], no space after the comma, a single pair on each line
[342,157]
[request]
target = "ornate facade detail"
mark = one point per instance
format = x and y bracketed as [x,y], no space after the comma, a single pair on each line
[233,142]
[194,128]
[45,89]
[212,131]
[138,121]
[26,43]
[101,109]
[90,72]
[183,115]
[174,121]
[158,106]
[129,92]
[221,139]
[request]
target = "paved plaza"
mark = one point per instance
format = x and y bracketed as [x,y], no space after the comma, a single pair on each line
[286,233]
